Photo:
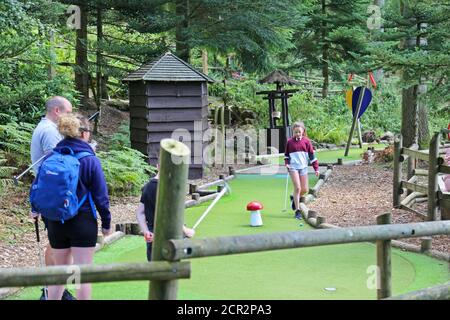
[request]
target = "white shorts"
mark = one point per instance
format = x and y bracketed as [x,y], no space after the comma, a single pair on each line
[301,172]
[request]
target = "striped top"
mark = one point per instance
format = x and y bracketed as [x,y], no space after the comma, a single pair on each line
[300,153]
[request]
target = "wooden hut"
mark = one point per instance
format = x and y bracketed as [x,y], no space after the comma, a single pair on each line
[169,99]
[279,125]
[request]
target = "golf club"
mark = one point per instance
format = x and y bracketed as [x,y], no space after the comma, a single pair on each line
[286,193]
[221,193]
[41,256]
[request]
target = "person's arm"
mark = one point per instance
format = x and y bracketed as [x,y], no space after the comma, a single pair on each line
[287,158]
[312,158]
[188,232]
[99,192]
[49,140]
[140,217]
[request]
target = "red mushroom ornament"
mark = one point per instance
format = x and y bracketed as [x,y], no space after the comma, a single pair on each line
[255,219]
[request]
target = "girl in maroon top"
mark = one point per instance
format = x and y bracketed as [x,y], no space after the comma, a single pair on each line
[298,155]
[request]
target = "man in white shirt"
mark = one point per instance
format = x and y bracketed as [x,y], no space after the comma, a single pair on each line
[45,137]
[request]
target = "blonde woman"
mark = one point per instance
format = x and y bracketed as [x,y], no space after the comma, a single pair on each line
[298,155]
[77,237]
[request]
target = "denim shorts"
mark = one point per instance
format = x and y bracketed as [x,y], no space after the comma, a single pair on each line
[301,172]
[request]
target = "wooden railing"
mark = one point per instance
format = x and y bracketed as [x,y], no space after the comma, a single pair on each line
[436,198]
[169,247]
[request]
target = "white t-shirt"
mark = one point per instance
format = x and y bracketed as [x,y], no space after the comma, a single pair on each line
[45,137]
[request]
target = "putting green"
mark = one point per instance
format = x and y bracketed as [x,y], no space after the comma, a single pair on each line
[302,273]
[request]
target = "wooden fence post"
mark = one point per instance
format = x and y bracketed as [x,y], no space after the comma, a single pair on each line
[433,186]
[169,215]
[193,188]
[411,166]
[384,261]
[398,145]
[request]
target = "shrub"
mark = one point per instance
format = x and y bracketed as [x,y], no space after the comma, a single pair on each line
[126,171]
[15,140]
[121,138]
[5,173]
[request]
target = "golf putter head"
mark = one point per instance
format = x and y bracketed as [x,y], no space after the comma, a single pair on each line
[16,181]
[226,185]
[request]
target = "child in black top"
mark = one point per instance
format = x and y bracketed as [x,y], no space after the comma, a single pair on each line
[145,213]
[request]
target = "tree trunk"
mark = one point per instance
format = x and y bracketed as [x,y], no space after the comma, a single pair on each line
[182,45]
[414,113]
[410,115]
[99,63]
[379,73]
[81,58]
[51,72]
[205,61]
[105,93]
[325,67]
[423,130]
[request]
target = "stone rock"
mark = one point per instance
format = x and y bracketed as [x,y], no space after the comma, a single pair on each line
[388,136]
[369,136]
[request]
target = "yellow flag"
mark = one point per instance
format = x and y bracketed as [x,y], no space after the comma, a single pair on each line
[349,97]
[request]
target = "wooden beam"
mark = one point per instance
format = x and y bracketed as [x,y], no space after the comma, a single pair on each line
[439,292]
[433,186]
[57,275]
[196,248]
[414,187]
[417,154]
[169,215]
[411,197]
[425,244]
[384,287]
[398,145]
[420,172]
[418,213]
[444,169]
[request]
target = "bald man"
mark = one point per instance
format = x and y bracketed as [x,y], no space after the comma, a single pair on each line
[45,137]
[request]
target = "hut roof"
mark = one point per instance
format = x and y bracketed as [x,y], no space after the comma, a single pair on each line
[168,68]
[278,77]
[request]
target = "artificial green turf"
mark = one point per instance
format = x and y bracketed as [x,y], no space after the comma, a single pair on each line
[302,273]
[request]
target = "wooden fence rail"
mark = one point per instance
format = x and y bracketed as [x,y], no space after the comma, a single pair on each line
[56,275]
[436,199]
[169,246]
[440,292]
[197,248]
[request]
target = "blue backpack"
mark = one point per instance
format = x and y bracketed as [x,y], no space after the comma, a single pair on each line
[54,191]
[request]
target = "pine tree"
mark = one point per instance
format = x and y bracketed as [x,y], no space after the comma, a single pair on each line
[249,29]
[416,44]
[335,35]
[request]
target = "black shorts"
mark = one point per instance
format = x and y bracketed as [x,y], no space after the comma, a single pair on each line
[45,222]
[80,231]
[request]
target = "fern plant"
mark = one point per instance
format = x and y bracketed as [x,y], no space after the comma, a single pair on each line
[15,139]
[6,173]
[126,171]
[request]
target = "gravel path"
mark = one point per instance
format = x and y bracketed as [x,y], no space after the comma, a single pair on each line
[355,195]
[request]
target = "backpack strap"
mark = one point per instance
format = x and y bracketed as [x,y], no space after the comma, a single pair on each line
[91,202]
[88,195]
[81,155]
